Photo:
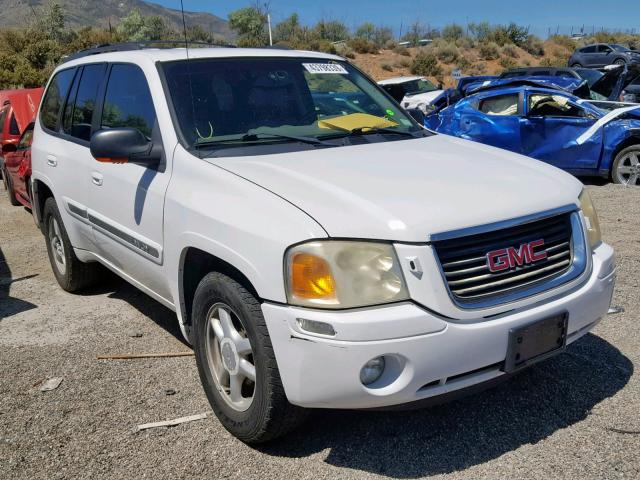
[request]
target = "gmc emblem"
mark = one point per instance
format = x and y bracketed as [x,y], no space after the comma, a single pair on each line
[509,258]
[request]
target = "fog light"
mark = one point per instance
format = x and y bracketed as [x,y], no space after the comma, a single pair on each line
[313,326]
[372,370]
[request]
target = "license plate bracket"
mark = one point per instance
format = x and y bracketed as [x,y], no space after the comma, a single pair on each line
[536,341]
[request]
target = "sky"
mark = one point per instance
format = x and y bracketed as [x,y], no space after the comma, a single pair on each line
[540,15]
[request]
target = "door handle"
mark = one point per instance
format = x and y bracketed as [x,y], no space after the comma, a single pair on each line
[96,178]
[52,161]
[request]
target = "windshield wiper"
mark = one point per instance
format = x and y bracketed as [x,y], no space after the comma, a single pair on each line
[372,130]
[251,137]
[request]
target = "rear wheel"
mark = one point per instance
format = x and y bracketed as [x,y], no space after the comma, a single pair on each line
[236,362]
[626,166]
[71,273]
[576,65]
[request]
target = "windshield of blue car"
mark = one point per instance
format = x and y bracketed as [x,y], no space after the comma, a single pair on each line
[235,101]
[619,48]
[590,75]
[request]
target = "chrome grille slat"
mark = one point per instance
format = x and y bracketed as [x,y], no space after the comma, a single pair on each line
[464,262]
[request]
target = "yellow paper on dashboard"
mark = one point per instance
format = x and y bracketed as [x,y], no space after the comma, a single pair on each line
[354,121]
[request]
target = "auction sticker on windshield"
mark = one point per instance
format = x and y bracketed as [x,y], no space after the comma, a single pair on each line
[325,68]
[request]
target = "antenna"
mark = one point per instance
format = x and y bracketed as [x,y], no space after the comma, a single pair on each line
[186,47]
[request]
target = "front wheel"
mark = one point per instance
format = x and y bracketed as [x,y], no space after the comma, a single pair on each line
[626,166]
[576,65]
[236,362]
[619,61]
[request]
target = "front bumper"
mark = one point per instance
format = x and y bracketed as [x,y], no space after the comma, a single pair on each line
[431,355]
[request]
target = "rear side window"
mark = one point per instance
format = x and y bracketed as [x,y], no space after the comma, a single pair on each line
[81,104]
[127,101]
[13,126]
[501,105]
[55,97]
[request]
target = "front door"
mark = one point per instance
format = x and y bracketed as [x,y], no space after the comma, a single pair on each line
[553,129]
[126,201]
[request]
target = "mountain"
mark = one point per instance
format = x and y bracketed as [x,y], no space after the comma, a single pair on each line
[80,13]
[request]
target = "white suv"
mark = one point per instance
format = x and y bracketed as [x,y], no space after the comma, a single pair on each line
[319,247]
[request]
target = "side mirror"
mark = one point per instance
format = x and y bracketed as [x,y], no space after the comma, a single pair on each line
[417,114]
[8,148]
[124,145]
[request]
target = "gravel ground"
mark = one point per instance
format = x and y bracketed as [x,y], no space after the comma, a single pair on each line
[574,416]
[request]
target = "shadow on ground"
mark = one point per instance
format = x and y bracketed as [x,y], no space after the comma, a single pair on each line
[443,439]
[8,305]
[119,289]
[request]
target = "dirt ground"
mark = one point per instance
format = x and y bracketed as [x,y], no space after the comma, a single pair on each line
[574,416]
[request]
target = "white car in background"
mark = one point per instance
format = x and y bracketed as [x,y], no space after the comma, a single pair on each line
[412,92]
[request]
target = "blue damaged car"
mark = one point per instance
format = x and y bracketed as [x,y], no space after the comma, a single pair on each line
[549,124]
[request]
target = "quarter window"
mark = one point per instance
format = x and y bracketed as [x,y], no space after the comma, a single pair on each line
[55,97]
[501,105]
[13,126]
[128,101]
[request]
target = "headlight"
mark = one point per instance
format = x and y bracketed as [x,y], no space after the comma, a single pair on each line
[342,274]
[591,218]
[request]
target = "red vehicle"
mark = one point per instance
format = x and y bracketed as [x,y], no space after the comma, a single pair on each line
[17,169]
[17,110]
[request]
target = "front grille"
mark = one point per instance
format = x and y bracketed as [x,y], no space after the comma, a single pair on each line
[465,265]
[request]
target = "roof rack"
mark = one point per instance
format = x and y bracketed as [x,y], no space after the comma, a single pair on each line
[131,46]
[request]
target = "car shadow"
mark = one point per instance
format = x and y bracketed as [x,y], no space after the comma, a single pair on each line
[443,439]
[8,305]
[117,288]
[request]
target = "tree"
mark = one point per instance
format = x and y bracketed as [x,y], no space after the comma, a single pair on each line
[249,23]
[288,30]
[134,27]
[367,31]
[452,32]
[332,31]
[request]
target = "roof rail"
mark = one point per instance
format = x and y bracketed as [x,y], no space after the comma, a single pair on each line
[131,46]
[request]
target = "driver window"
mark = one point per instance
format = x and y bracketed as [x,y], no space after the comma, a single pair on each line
[501,105]
[551,105]
[604,49]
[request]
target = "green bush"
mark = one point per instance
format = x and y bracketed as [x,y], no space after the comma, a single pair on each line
[489,51]
[403,63]
[534,46]
[478,68]
[426,64]
[510,51]
[507,63]
[361,45]
[404,51]
[446,52]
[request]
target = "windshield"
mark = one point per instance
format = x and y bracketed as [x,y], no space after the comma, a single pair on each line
[231,100]
[421,85]
[619,48]
[591,76]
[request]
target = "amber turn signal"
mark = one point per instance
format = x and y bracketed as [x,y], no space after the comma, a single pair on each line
[311,277]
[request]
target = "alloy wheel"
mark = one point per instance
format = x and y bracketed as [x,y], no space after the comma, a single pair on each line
[628,169]
[230,357]
[57,247]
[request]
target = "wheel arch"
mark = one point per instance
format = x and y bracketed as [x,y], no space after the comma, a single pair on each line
[194,264]
[40,191]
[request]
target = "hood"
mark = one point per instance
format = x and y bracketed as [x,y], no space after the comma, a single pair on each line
[407,190]
[615,80]
[418,98]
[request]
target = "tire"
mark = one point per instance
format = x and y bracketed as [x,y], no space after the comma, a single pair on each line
[626,166]
[576,65]
[8,184]
[619,61]
[261,411]
[72,274]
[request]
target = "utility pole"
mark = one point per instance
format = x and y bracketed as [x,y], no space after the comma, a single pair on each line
[269,23]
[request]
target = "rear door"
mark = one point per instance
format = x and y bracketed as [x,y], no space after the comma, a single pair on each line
[551,130]
[495,121]
[126,201]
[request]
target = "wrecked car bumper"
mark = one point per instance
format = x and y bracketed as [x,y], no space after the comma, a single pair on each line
[426,355]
